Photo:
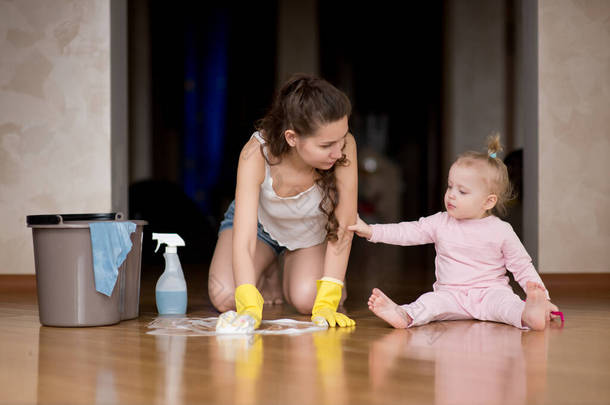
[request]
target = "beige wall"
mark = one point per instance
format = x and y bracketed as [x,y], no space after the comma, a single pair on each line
[574,136]
[55,140]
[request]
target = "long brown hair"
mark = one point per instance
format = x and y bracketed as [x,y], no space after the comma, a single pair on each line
[303,104]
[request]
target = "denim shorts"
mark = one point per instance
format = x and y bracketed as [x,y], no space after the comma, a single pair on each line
[227,222]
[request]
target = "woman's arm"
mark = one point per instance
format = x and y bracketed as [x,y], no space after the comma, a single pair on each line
[250,175]
[337,252]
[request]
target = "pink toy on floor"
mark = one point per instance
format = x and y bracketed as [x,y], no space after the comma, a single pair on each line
[558,313]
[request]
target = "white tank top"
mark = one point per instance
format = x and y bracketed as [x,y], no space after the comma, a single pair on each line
[295,222]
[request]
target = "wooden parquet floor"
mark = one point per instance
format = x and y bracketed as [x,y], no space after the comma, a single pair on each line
[460,362]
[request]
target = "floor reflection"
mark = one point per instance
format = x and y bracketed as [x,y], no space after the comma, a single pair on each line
[310,370]
[245,355]
[171,352]
[70,366]
[474,362]
[18,364]
[444,363]
[330,366]
[105,391]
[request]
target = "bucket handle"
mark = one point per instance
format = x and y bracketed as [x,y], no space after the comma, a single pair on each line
[60,219]
[63,219]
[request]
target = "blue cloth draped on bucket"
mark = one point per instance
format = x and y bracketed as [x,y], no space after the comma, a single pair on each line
[110,244]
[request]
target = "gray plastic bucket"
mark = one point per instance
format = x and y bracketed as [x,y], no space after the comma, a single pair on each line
[64,272]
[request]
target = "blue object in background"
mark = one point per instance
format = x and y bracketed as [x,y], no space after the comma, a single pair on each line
[205,104]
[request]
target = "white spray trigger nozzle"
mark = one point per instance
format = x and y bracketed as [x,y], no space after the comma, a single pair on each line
[172,240]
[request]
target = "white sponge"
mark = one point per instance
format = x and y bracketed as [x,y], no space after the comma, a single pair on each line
[231,323]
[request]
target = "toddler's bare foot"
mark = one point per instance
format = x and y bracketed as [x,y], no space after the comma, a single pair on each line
[551,308]
[535,312]
[387,310]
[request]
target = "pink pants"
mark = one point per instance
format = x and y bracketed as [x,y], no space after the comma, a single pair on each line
[486,304]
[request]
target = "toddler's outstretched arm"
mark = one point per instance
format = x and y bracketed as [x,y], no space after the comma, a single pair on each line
[403,233]
[361,228]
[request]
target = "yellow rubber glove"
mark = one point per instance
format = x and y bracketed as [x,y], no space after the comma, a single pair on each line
[324,310]
[249,301]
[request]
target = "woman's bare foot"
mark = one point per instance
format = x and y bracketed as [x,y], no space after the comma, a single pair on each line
[343,296]
[271,286]
[387,310]
[535,313]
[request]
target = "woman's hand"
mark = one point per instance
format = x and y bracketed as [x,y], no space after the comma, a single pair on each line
[361,228]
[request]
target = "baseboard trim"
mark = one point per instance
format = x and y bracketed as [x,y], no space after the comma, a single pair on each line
[17,282]
[553,281]
[577,281]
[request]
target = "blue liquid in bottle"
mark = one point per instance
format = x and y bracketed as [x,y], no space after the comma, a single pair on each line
[171,302]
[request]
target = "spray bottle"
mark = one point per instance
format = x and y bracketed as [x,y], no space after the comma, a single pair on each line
[171,288]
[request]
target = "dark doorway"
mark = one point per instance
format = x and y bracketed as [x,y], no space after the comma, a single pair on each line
[390,62]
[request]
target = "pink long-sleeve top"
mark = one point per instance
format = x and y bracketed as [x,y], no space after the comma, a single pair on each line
[470,253]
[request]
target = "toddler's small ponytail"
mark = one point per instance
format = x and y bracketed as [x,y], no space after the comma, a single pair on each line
[493,145]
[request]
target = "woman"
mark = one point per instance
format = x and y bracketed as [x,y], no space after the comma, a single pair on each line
[296,194]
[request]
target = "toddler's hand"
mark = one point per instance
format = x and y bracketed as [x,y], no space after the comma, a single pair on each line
[361,228]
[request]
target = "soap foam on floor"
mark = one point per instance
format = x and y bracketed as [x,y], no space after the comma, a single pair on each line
[207,327]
